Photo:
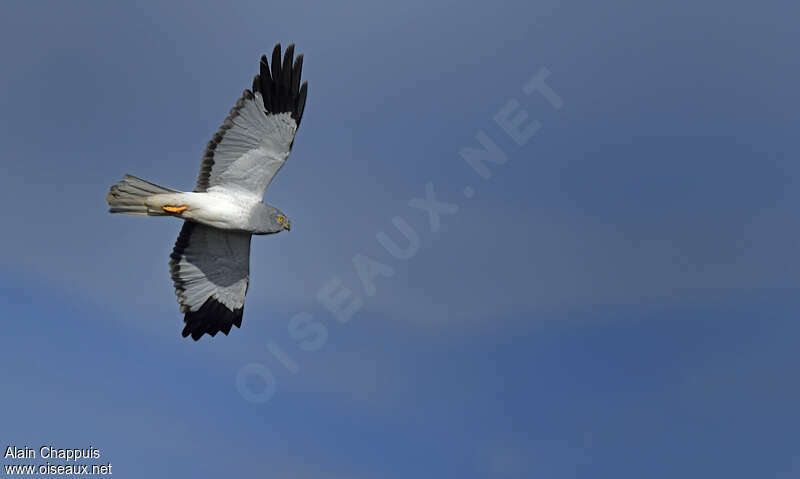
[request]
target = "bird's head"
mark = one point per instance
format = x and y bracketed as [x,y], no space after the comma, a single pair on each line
[282,221]
[268,220]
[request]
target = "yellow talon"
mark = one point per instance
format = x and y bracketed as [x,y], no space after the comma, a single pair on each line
[175,209]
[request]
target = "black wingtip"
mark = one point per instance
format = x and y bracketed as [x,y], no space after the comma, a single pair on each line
[297,71]
[278,82]
[210,319]
[276,62]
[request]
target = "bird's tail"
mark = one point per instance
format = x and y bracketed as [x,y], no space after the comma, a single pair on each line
[129,195]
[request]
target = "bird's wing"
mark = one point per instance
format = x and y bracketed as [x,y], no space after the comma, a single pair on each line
[211,270]
[256,138]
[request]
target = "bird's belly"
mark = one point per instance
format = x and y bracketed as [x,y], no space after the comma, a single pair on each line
[218,210]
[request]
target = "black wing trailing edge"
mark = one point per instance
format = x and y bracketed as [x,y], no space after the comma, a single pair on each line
[208,156]
[280,85]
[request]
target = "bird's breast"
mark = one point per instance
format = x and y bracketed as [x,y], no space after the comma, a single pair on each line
[219,210]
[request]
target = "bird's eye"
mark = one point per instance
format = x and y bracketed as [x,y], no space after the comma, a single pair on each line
[281,219]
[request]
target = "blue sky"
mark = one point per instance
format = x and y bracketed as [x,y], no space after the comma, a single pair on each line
[617,300]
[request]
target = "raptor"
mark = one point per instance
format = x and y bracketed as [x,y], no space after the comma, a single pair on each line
[210,263]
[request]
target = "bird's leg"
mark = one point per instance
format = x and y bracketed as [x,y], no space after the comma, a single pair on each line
[175,209]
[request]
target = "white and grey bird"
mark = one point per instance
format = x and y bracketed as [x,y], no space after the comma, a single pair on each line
[210,263]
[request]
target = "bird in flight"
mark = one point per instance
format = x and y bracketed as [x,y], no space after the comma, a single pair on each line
[210,263]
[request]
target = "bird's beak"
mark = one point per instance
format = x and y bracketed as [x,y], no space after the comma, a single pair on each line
[287,225]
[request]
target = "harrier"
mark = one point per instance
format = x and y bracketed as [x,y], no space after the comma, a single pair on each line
[210,264]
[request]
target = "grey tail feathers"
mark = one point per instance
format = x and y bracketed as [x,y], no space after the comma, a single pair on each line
[129,195]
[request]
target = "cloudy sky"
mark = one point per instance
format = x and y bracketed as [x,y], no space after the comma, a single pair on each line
[618,298]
